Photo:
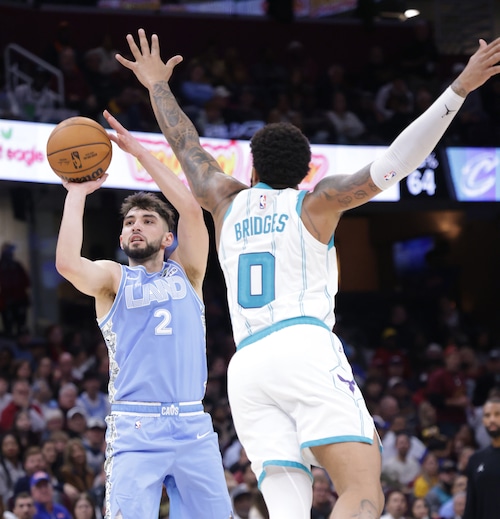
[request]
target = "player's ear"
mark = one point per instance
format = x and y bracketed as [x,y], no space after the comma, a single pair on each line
[168,239]
[121,242]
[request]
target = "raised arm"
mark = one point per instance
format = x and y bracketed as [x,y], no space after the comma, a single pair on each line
[338,193]
[213,189]
[192,234]
[98,279]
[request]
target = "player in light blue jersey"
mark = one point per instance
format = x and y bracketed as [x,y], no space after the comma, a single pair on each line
[151,315]
[293,396]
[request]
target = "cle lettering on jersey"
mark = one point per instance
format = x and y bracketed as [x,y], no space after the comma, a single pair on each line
[160,290]
[255,225]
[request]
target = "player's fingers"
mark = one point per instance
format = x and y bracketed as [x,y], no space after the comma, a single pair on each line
[155,45]
[175,60]
[143,40]
[123,61]
[133,47]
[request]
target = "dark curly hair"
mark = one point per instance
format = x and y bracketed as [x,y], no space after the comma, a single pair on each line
[151,202]
[281,155]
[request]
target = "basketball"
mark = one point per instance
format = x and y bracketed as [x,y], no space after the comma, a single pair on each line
[79,149]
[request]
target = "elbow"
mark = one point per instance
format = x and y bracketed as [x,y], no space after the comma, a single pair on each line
[64,266]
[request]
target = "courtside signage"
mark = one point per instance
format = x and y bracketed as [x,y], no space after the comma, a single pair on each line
[23,159]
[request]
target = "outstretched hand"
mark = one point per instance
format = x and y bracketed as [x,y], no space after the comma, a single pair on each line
[123,138]
[482,65]
[148,65]
[85,187]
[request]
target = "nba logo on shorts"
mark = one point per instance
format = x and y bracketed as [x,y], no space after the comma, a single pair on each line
[262,202]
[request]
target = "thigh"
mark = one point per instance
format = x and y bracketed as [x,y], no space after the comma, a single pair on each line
[265,430]
[352,464]
[197,486]
[135,466]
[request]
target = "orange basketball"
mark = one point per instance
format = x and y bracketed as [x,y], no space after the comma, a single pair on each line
[79,150]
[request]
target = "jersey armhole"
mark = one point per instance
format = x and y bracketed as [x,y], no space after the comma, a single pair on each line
[298,207]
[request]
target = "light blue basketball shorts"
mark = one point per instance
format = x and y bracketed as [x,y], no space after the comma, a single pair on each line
[149,444]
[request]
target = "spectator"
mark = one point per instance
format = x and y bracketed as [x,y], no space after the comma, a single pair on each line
[447,511]
[49,454]
[440,493]
[323,497]
[23,430]
[36,101]
[42,492]
[76,422]
[400,424]
[84,507]
[14,291]
[94,443]
[75,473]
[24,507]
[446,390]
[21,399]
[428,477]
[33,461]
[401,470]
[395,505]
[67,397]
[420,509]
[92,399]
[242,498]
[196,89]
[459,503]
[348,128]
[488,380]
[11,468]
[54,337]
[5,396]
[54,421]
[77,92]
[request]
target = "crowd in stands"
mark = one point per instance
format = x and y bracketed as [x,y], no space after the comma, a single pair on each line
[227,97]
[425,371]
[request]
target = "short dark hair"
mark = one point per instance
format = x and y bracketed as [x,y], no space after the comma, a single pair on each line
[152,202]
[281,155]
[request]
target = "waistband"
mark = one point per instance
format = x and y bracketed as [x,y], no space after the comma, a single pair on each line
[280,325]
[157,408]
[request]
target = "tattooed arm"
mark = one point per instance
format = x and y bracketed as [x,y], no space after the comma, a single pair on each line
[213,189]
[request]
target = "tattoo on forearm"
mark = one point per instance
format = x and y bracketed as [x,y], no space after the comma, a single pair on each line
[367,510]
[345,189]
[184,140]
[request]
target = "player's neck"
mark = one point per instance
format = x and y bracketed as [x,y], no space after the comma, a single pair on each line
[151,265]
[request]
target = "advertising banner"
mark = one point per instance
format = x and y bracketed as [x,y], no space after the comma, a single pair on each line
[23,158]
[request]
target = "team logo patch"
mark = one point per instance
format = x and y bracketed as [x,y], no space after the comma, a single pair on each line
[171,270]
[389,175]
[350,383]
[262,201]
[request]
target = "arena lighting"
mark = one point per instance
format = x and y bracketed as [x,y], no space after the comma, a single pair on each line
[396,10]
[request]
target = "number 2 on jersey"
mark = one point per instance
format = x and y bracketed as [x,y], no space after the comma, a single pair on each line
[256,279]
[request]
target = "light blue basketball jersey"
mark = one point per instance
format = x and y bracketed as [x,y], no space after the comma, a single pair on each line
[155,334]
[276,272]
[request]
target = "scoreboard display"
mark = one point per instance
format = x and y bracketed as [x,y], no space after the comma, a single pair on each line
[429,181]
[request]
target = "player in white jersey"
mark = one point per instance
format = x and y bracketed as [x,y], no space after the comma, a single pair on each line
[292,394]
[152,318]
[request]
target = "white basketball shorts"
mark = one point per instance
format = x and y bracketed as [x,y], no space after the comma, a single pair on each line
[292,390]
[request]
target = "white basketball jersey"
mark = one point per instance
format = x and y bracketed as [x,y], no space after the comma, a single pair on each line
[275,270]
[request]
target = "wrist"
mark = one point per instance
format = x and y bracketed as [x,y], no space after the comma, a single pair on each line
[458,88]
